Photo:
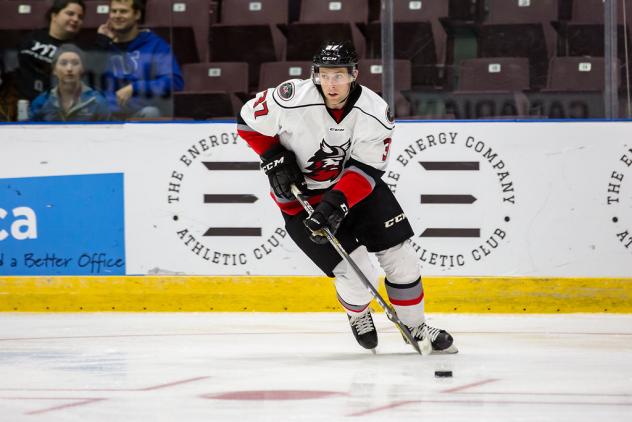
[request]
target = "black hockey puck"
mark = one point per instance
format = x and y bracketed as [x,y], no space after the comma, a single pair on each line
[443,374]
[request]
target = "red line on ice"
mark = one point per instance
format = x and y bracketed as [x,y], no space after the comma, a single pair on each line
[171,384]
[381,408]
[150,388]
[79,402]
[466,386]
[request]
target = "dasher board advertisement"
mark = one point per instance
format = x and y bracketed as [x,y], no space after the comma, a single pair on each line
[484,199]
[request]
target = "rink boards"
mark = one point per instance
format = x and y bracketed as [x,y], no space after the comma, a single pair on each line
[508,216]
[305,294]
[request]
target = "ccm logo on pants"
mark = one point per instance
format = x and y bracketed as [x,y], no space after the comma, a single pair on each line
[395,220]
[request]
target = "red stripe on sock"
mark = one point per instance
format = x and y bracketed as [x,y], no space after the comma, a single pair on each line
[353,310]
[409,302]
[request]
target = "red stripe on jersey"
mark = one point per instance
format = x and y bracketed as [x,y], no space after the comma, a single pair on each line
[409,302]
[260,143]
[354,186]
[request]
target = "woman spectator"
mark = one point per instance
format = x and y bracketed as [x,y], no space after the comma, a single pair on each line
[36,52]
[70,99]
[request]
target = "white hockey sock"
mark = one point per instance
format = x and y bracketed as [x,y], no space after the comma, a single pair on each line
[407,300]
[403,283]
[352,293]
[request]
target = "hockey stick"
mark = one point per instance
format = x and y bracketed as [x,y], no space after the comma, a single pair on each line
[426,347]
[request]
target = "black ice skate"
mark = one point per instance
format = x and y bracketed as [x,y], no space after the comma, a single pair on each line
[364,330]
[440,340]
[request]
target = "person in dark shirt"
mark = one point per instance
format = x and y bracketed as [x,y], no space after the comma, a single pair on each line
[36,52]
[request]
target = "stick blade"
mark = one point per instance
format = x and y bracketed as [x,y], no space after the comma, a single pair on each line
[426,347]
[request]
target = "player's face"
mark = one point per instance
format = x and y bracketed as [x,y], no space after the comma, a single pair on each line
[336,83]
[123,17]
[68,68]
[67,22]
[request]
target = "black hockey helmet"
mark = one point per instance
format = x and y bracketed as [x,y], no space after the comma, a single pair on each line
[336,54]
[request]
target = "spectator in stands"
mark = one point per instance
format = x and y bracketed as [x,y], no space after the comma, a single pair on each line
[71,99]
[142,71]
[36,52]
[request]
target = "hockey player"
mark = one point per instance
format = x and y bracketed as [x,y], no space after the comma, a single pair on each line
[330,137]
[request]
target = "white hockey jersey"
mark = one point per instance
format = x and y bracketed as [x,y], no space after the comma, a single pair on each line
[296,115]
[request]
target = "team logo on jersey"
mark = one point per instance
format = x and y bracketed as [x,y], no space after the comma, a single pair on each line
[327,161]
[286,91]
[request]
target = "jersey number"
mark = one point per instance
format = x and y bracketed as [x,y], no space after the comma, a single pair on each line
[264,106]
[387,146]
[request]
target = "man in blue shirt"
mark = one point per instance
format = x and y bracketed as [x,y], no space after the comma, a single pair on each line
[142,72]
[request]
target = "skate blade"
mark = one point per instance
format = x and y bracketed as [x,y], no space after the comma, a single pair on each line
[449,351]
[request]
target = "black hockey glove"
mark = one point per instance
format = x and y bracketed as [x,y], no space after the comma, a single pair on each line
[328,213]
[282,172]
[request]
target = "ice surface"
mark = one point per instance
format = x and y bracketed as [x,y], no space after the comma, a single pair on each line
[307,367]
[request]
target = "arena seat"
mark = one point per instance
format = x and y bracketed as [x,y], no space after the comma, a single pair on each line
[492,88]
[583,34]
[575,89]
[17,18]
[521,28]
[212,90]
[576,74]
[494,74]
[257,12]
[418,37]
[370,75]
[216,76]
[248,31]
[183,23]
[273,73]
[97,12]
[326,20]
[23,14]
[592,11]
[205,105]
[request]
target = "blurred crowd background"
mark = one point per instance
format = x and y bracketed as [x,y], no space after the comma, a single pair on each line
[67,60]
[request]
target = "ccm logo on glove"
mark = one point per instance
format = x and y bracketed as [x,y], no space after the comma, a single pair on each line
[283,172]
[269,166]
[395,220]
